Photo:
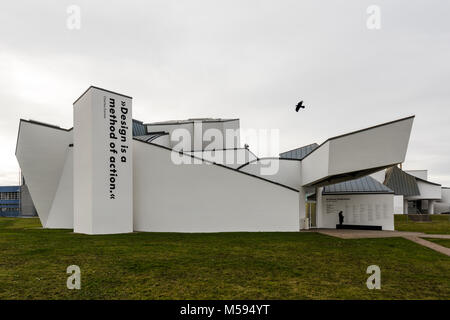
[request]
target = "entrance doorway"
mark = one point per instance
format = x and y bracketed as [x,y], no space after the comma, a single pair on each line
[311,214]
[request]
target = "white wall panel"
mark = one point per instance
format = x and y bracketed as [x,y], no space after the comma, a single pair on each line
[363,150]
[286,172]
[398,204]
[61,213]
[205,197]
[41,153]
[103,161]
[427,191]
[232,158]
[358,209]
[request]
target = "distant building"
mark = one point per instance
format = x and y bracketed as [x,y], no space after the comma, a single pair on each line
[414,193]
[15,201]
[9,201]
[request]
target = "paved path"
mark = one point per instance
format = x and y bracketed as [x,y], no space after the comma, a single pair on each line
[412,236]
[429,244]
[436,236]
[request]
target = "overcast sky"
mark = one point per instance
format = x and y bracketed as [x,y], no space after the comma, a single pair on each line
[248,59]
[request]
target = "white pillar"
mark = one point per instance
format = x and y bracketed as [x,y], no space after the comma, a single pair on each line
[319,207]
[431,206]
[302,205]
[103,163]
[405,206]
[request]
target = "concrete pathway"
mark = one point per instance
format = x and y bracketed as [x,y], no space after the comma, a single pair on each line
[412,236]
[429,244]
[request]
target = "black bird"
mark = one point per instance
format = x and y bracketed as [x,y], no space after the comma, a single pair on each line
[299,105]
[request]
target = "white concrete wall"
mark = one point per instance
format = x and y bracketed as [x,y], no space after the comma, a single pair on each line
[162,141]
[445,195]
[315,165]
[42,152]
[103,161]
[235,126]
[365,150]
[358,209]
[380,176]
[233,158]
[197,129]
[284,171]
[427,191]
[421,174]
[205,197]
[444,204]
[372,148]
[398,204]
[61,213]
[189,127]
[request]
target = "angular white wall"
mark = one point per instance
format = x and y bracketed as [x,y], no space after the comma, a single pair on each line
[427,191]
[284,171]
[42,152]
[232,158]
[205,197]
[61,213]
[365,151]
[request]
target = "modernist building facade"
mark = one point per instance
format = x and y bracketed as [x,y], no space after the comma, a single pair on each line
[9,201]
[15,201]
[112,174]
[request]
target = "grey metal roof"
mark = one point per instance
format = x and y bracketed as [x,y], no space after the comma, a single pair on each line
[139,129]
[151,136]
[365,184]
[299,153]
[401,182]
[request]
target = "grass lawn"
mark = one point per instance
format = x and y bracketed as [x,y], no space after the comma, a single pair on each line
[440,224]
[286,265]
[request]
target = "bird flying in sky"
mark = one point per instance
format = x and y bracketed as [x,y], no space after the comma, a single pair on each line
[299,105]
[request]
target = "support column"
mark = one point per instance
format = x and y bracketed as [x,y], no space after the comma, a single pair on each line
[302,204]
[103,163]
[405,206]
[431,206]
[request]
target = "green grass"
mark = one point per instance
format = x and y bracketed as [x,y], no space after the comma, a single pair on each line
[440,224]
[295,265]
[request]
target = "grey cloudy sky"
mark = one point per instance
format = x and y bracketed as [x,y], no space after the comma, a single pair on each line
[248,59]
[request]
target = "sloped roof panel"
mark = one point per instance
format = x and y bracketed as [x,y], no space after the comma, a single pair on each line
[151,136]
[139,128]
[401,182]
[365,184]
[299,153]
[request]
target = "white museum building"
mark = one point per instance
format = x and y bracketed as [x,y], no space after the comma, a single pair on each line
[112,174]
